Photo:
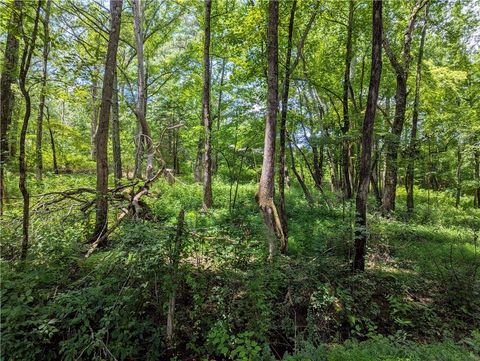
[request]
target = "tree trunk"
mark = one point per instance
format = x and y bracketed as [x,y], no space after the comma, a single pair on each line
[393,141]
[476,155]
[266,186]
[346,147]
[146,138]
[94,120]
[412,151]
[367,139]
[22,184]
[116,148]
[52,143]
[219,108]
[392,144]
[458,174]
[7,78]
[104,120]
[283,131]
[207,121]
[46,46]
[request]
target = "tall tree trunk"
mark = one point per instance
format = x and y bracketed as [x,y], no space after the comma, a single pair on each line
[207,121]
[401,68]
[94,120]
[146,138]
[346,147]
[7,78]
[46,47]
[412,149]
[367,139]
[458,175]
[392,144]
[22,184]
[219,108]
[52,143]
[101,223]
[283,132]
[116,148]
[476,155]
[266,187]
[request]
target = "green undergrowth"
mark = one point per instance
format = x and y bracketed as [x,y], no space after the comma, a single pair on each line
[418,300]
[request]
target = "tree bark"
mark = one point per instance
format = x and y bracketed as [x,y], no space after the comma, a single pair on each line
[266,187]
[283,131]
[458,175]
[8,77]
[206,116]
[94,120]
[46,49]
[146,138]
[346,147]
[52,143]
[101,223]
[412,149]
[22,184]
[393,141]
[367,139]
[116,147]
[476,156]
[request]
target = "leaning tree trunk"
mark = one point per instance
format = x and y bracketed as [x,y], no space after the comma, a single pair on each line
[412,149]
[346,147]
[206,116]
[22,184]
[283,132]
[7,78]
[101,223]
[116,148]
[146,138]
[367,139]
[266,187]
[46,48]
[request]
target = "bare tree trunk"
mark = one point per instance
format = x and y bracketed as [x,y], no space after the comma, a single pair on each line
[458,174]
[101,224]
[116,148]
[207,121]
[146,137]
[219,108]
[476,155]
[367,139]
[22,184]
[266,187]
[46,49]
[52,143]
[283,132]
[7,78]
[412,149]
[393,142]
[346,147]
[174,261]
[94,120]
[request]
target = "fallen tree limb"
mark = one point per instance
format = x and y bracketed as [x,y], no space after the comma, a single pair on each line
[133,209]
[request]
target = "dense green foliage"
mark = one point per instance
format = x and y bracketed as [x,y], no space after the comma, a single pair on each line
[422,284]
[204,273]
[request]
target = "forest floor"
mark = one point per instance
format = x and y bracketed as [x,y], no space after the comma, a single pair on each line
[418,300]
